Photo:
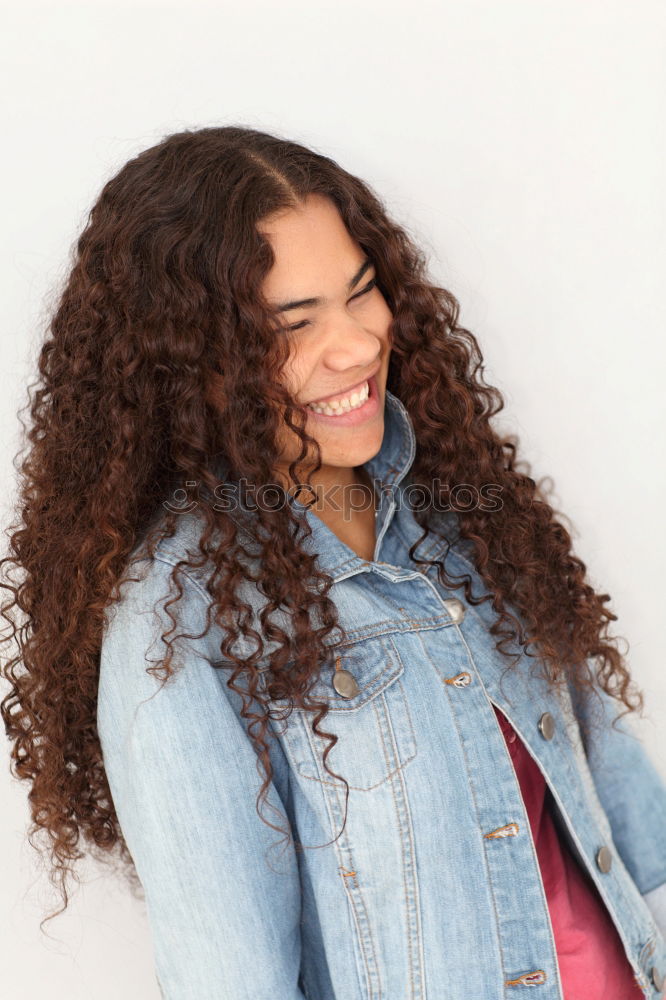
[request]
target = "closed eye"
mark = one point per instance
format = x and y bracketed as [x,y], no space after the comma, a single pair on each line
[368,288]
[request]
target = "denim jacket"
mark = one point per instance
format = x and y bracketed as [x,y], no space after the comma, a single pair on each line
[415,899]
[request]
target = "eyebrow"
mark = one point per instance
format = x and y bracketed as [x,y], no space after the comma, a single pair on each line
[301,303]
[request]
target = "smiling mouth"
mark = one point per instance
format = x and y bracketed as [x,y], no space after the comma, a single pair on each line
[350,414]
[346,394]
[343,404]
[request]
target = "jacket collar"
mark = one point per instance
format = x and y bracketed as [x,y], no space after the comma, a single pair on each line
[394,459]
[386,470]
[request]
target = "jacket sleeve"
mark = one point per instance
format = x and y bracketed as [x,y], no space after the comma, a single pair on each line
[223,910]
[632,793]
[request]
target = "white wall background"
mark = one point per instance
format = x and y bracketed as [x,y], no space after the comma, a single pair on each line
[523,144]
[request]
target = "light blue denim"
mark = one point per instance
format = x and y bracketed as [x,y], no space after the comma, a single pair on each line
[414,900]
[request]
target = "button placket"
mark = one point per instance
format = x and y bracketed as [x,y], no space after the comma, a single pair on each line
[456,609]
[546,724]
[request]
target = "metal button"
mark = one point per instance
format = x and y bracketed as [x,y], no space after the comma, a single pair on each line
[547,726]
[345,684]
[604,859]
[658,980]
[455,608]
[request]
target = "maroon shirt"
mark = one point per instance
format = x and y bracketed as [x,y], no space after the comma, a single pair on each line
[590,954]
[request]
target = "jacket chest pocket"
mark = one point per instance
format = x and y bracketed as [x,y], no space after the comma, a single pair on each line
[368,712]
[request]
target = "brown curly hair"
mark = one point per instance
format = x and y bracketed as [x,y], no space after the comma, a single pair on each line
[161,353]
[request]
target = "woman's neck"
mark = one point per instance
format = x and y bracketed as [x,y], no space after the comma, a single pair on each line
[346,502]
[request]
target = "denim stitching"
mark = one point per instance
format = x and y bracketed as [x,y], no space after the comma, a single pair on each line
[408,856]
[329,803]
[485,859]
[403,757]
[389,627]
[359,909]
[338,847]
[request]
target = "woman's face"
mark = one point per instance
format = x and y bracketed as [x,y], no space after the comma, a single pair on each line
[340,342]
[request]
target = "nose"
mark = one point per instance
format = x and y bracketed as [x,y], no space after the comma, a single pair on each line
[350,345]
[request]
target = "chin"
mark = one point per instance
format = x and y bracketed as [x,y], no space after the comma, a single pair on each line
[360,452]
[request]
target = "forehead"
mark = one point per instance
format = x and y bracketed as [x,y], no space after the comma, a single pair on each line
[313,250]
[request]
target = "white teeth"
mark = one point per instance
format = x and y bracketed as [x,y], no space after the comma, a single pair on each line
[339,406]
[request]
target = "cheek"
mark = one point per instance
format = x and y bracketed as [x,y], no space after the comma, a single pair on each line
[298,372]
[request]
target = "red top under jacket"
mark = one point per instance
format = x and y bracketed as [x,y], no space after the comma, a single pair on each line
[590,954]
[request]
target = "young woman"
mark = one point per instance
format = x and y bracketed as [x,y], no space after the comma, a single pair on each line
[303,647]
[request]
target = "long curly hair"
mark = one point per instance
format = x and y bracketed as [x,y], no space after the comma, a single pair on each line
[161,353]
